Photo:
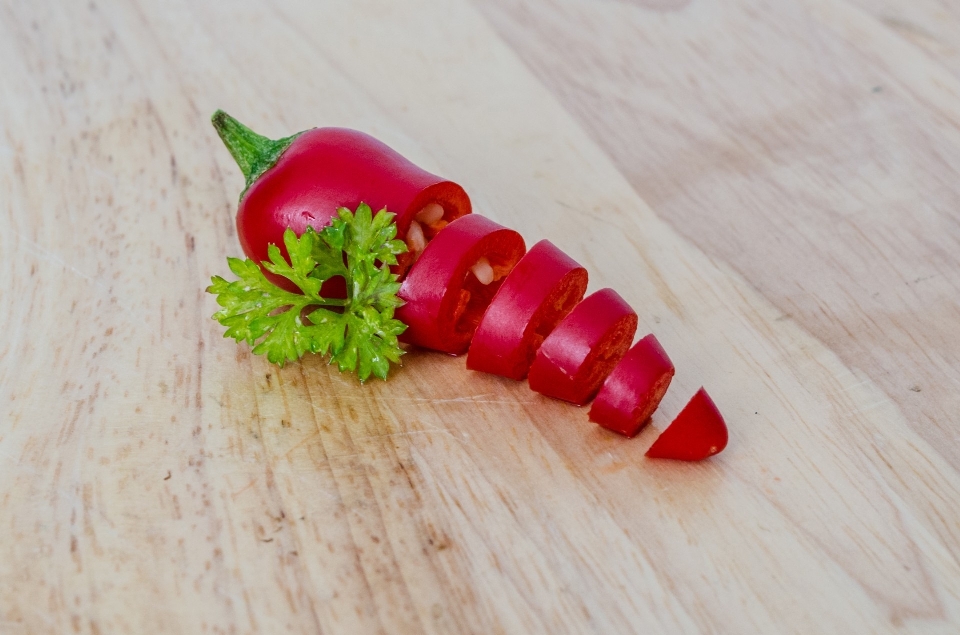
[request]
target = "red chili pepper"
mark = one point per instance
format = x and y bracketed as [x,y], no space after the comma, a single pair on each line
[540,291]
[634,389]
[579,354]
[303,179]
[456,276]
[698,432]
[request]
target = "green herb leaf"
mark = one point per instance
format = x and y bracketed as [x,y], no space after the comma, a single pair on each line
[359,333]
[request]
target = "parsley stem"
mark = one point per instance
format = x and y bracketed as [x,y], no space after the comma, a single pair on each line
[328,302]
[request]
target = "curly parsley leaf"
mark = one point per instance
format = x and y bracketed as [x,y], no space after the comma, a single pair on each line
[359,332]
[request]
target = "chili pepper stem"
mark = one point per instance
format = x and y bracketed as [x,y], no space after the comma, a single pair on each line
[254,153]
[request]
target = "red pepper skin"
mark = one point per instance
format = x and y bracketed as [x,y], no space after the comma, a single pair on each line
[444,300]
[540,291]
[579,354]
[697,433]
[314,173]
[634,389]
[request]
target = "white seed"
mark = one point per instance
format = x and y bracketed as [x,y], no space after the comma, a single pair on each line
[431,213]
[483,271]
[416,241]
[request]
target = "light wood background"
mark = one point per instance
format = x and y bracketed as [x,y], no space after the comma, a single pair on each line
[771,183]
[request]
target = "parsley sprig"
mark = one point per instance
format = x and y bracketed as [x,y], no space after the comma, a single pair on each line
[359,332]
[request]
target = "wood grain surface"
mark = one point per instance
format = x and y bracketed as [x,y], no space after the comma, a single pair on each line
[771,183]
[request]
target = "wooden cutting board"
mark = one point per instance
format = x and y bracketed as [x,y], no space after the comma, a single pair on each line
[772,184]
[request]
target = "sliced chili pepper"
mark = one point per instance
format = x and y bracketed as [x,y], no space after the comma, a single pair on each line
[634,388]
[540,291]
[579,354]
[450,285]
[303,179]
[697,433]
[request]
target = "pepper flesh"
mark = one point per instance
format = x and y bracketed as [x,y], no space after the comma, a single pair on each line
[444,300]
[312,174]
[584,347]
[697,433]
[540,291]
[634,388]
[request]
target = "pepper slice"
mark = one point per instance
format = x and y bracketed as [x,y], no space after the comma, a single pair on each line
[579,354]
[540,291]
[444,297]
[697,433]
[304,179]
[634,389]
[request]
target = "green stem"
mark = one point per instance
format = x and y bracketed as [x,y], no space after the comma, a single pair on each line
[254,153]
[327,302]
